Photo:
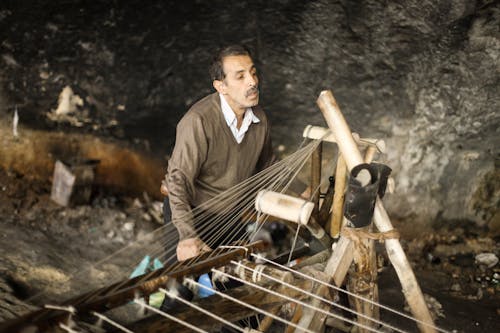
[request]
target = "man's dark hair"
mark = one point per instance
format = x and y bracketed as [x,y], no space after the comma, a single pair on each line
[216,70]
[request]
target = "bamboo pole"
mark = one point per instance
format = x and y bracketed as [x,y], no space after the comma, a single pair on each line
[350,151]
[316,177]
[369,154]
[338,197]
[297,315]
[363,283]
[266,323]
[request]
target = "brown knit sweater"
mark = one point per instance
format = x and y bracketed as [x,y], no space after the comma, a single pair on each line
[207,160]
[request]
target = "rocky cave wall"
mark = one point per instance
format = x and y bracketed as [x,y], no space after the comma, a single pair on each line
[422,75]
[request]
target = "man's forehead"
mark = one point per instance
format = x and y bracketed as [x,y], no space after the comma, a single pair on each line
[237,63]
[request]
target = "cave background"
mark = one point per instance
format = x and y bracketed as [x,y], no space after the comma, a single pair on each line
[422,75]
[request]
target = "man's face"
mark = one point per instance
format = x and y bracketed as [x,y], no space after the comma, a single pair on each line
[240,86]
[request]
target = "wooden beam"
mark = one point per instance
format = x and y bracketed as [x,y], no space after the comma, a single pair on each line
[338,197]
[266,323]
[316,158]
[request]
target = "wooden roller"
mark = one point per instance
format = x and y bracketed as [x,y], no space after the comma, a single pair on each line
[284,206]
[325,134]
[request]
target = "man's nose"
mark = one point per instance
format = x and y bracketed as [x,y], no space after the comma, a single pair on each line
[252,80]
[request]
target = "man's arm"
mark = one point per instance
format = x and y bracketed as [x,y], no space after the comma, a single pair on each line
[183,168]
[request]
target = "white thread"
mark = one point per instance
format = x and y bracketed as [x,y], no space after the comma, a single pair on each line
[324,299]
[251,330]
[234,247]
[202,310]
[277,176]
[218,277]
[300,213]
[187,283]
[256,309]
[257,273]
[294,244]
[194,289]
[115,324]
[67,328]
[302,303]
[69,309]
[351,294]
[238,271]
[169,316]
[254,276]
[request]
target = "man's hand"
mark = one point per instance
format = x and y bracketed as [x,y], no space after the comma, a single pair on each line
[191,247]
[163,188]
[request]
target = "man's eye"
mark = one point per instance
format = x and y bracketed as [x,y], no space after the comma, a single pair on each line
[239,77]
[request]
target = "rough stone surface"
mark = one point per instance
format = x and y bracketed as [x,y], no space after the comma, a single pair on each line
[423,75]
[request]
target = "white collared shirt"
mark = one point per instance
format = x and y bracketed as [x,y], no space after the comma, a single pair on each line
[232,122]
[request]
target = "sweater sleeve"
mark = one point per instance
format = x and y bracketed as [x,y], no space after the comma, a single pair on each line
[183,168]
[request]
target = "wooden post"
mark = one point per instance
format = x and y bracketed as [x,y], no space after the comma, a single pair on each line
[363,283]
[295,318]
[369,154]
[268,320]
[350,151]
[316,177]
[338,197]
[312,319]
[340,260]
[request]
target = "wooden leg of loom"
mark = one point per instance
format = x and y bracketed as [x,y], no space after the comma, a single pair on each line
[370,152]
[338,197]
[268,320]
[295,319]
[350,151]
[312,319]
[316,177]
[337,266]
[363,282]
[340,260]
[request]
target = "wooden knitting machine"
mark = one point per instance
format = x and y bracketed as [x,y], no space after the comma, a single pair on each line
[353,250]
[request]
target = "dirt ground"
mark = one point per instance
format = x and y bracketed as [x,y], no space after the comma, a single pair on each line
[46,247]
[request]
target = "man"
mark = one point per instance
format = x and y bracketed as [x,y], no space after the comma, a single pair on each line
[222,140]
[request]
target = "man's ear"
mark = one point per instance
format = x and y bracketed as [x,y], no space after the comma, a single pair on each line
[219,86]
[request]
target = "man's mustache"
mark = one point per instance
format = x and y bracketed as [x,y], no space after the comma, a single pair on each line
[252,91]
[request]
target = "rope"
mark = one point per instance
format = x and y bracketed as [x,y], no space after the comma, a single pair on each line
[234,247]
[67,328]
[202,310]
[357,234]
[169,316]
[113,323]
[69,309]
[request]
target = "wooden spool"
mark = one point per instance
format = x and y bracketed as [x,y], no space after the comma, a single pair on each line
[284,206]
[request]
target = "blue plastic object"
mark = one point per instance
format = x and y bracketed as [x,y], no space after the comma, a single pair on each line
[205,281]
[141,268]
[157,264]
[146,266]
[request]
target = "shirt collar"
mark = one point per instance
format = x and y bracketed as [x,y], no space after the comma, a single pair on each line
[230,116]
